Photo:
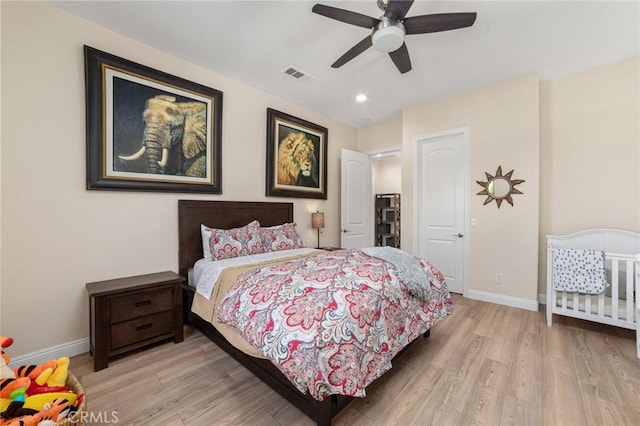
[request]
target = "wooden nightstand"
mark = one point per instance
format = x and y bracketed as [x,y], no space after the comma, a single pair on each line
[133,312]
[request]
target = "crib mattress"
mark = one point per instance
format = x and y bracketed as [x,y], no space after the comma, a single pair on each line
[594,309]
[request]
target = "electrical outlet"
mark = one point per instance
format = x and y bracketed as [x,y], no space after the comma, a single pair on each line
[499,278]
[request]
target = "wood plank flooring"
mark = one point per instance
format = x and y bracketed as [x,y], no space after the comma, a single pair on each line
[485,365]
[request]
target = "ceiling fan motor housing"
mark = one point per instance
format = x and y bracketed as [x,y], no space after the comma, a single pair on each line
[388,35]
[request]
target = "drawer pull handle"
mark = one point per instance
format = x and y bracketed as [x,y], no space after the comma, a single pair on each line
[144,327]
[143,303]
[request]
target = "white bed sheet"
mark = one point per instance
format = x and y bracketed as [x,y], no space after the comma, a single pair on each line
[206,271]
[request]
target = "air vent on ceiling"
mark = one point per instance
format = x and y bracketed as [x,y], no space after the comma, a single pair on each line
[298,74]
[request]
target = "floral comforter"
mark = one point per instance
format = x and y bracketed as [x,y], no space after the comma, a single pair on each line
[332,323]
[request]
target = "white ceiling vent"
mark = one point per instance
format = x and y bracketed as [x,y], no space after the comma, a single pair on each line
[298,74]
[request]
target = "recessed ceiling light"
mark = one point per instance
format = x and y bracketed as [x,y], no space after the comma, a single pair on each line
[361,97]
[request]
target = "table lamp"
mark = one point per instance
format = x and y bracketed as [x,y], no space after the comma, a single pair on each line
[317,222]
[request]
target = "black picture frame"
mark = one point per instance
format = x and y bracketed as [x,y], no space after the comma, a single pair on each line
[130,106]
[294,144]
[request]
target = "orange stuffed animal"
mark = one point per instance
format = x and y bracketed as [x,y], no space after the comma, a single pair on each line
[8,381]
[5,371]
[53,412]
[33,371]
[5,342]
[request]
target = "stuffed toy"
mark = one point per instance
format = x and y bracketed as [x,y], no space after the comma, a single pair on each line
[10,386]
[14,411]
[49,377]
[40,401]
[56,410]
[35,395]
[5,371]
[51,413]
[33,371]
[59,375]
[5,342]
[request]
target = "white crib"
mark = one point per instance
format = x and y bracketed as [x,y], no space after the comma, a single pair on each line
[618,305]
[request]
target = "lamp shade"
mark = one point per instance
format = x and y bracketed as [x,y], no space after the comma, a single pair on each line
[317,220]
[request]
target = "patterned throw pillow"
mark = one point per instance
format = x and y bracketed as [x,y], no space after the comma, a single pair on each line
[228,243]
[281,237]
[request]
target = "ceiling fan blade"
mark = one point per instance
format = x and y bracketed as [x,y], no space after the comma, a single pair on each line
[397,9]
[363,45]
[438,22]
[401,58]
[346,16]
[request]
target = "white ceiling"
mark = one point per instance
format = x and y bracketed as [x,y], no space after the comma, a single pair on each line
[254,41]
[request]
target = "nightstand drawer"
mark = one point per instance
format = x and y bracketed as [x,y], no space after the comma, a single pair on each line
[140,329]
[123,308]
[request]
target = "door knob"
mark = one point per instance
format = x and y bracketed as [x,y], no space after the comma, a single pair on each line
[459,235]
[345,231]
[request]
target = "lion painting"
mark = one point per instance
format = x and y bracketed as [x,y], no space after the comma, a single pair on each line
[297,163]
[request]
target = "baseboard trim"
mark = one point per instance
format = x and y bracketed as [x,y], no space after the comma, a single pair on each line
[68,349]
[81,346]
[500,299]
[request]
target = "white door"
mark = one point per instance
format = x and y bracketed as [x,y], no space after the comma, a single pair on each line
[440,204]
[356,209]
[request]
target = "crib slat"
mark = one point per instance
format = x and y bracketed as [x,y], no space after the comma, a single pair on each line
[629,293]
[587,304]
[601,304]
[564,300]
[614,288]
[636,297]
[576,303]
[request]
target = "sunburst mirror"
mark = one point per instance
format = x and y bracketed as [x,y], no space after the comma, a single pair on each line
[499,187]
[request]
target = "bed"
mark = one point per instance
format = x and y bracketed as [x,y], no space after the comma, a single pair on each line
[618,304]
[227,215]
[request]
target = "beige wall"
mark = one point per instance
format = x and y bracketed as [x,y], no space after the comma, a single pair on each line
[503,131]
[381,136]
[387,175]
[56,235]
[590,152]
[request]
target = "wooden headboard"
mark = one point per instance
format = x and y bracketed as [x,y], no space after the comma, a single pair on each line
[221,215]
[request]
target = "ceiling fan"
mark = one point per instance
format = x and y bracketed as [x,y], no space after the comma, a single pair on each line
[388,31]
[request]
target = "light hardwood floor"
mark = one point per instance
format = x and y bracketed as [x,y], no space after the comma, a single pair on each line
[485,365]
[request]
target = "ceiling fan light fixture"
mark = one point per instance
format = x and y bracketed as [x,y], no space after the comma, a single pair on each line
[388,36]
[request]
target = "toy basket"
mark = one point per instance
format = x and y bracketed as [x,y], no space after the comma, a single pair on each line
[76,419]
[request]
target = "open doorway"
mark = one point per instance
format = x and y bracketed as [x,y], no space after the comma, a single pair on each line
[386,171]
[363,176]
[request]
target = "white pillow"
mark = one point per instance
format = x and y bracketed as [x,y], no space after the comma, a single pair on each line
[206,234]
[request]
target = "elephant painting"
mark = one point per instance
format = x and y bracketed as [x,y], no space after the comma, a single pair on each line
[175,137]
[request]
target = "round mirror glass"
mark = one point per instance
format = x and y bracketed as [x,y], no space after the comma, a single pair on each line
[498,187]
